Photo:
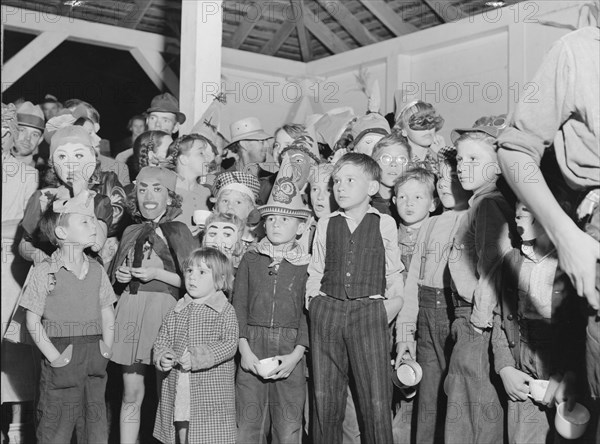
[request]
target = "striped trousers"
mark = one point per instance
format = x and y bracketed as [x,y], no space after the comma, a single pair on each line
[350,334]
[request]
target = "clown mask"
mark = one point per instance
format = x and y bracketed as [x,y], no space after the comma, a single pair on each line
[527,225]
[74,162]
[224,236]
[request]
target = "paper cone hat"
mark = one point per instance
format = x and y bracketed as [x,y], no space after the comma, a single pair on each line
[209,124]
[285,196]
[330,127]
[374,103]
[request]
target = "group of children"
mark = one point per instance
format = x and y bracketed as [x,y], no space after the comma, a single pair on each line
[402,248]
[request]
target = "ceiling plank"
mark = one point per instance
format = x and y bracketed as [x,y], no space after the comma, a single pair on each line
[446,11]
[390,18]
[323,33]
[246,25]
[133,19]
[278,38]
[303,37]
[349,22]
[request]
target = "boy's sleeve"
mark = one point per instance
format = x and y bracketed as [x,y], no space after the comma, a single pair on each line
[214,353]
[240,295]
[34,296]
[31,216]
[316,267]
[107,294]
[406,323]
[502,355]
[393,257]
[302,338]
[492,242]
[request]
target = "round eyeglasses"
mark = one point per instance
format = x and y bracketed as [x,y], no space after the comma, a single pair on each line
[387,159]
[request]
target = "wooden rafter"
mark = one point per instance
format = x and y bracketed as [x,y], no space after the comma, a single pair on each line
[140,8]
[348,21]
[278,38]
[323,33]
[446,11]
[303,37]
[245,27]
[390,18]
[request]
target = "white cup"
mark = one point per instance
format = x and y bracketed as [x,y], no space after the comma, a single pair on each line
[408,373]
[200,217]
[266,366]
[571,425]
[537,389]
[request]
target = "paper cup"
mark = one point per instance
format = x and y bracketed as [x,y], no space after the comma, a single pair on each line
[571,425]
[266,366]
[200,217]
[538,388]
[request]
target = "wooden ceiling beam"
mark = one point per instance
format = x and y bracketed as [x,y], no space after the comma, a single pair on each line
[278,38]
[133,19]
[390,18]
[348,21]
[303,37]
[246,26]
[323,33]
[446,11]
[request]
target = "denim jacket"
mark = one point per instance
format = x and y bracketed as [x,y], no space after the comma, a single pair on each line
[270,294]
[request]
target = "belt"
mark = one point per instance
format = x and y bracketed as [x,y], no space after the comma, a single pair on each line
[459,302]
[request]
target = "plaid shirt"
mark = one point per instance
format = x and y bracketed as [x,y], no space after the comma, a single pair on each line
[210,332]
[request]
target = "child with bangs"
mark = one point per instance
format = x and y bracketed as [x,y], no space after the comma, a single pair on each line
[195,348]
[393,154]
[414,199]
[193,158]
[423,325]
[418,122]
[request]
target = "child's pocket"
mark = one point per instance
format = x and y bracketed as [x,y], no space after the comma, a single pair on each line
[60,371]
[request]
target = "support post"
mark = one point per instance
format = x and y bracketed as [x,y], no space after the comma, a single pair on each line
[200,72]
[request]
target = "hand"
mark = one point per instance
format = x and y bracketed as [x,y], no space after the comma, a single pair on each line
[516,383]
[144,274]
[405,350]
[186,360]
[287,364]
[565,392]
[166,361]
[578,254]
[64,358]
[105,350]
[249,362]
[123,275]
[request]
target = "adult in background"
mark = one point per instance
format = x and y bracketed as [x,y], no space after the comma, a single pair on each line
[163,115]
[136,126]
[566,116]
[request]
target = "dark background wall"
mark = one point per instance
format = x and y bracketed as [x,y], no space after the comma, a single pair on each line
[109,79]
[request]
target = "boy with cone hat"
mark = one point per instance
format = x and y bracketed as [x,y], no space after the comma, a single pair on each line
[268,295]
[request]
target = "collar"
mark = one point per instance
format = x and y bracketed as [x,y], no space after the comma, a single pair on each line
[529,252]
[56,263]
[216,301]
[342,213]
[294,255]
[484,191]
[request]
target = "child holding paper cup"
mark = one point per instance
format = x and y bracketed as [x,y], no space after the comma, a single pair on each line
[538,337]
[268,299]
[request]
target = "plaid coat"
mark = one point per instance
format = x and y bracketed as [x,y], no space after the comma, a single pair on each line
[210,332]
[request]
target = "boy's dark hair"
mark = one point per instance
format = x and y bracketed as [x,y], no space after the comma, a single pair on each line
[420,174]
[48,223]
[366,163]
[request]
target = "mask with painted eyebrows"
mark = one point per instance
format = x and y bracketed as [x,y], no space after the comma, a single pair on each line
[223,236]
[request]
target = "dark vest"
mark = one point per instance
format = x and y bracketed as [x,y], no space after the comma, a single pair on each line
[354,262]
[73,306]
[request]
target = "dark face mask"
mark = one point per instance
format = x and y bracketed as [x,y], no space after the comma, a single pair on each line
[422,123]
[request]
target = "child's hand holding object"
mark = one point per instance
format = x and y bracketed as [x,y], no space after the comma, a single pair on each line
[166,361]
[287,365]
[186,361]
[516,383]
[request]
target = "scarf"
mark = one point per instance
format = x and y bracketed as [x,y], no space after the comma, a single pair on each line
[294,255]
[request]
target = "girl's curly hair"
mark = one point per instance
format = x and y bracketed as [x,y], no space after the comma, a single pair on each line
[183,145]
[143,145]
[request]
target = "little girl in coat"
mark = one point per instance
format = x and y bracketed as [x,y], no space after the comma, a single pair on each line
[195,347]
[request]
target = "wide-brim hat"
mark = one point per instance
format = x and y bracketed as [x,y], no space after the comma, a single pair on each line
[166,103]
[491,125]
[249,128]
[285,197]
[31,115]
